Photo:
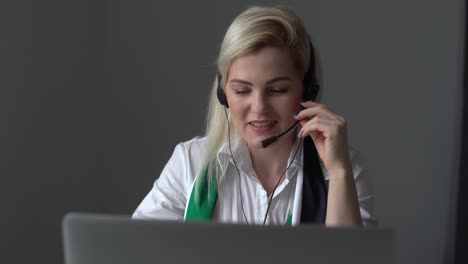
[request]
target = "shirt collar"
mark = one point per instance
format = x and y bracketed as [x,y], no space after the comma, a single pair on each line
[241,155]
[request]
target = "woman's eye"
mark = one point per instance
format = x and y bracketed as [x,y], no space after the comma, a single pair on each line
[279,90]
[241,92]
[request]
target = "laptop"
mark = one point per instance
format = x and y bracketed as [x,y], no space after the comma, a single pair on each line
[117,239]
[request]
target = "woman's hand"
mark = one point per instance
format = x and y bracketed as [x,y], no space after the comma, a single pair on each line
[328,130]
[329,133]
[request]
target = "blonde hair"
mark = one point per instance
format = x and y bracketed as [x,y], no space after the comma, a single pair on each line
[252,30]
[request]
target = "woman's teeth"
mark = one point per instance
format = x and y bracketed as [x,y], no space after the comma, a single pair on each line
[262,124]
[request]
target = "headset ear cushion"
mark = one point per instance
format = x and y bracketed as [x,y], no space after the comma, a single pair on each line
[311,89]
[220,92]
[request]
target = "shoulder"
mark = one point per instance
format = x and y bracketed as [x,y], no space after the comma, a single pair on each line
[353,152]
[190,155]
[357,161]
[195,146]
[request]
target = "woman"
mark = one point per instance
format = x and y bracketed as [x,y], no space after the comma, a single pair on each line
[256,164]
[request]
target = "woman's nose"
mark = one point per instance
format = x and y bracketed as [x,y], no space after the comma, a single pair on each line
[260,103]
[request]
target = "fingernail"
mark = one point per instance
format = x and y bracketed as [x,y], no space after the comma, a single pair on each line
[300,133]
[295,115]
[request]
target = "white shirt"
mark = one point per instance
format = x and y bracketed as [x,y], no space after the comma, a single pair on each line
[171,191]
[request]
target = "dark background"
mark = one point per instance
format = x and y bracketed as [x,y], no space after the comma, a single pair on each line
[461,249]
[94,95]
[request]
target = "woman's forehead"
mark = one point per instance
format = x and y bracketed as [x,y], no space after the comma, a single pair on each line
[265,61]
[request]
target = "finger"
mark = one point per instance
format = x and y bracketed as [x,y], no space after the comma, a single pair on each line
[322,118]
[309,103]
[313,126]
[315,110]
[329,128]
[315,131]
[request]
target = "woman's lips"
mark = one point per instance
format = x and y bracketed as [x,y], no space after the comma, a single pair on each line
[262,126]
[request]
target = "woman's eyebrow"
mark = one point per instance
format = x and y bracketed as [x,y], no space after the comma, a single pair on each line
[241,81]
[281,78]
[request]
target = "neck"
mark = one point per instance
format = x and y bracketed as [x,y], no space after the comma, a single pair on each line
[272,160]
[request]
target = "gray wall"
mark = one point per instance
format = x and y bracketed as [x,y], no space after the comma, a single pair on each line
[94,95]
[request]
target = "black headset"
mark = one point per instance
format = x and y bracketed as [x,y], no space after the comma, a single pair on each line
[310,83]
